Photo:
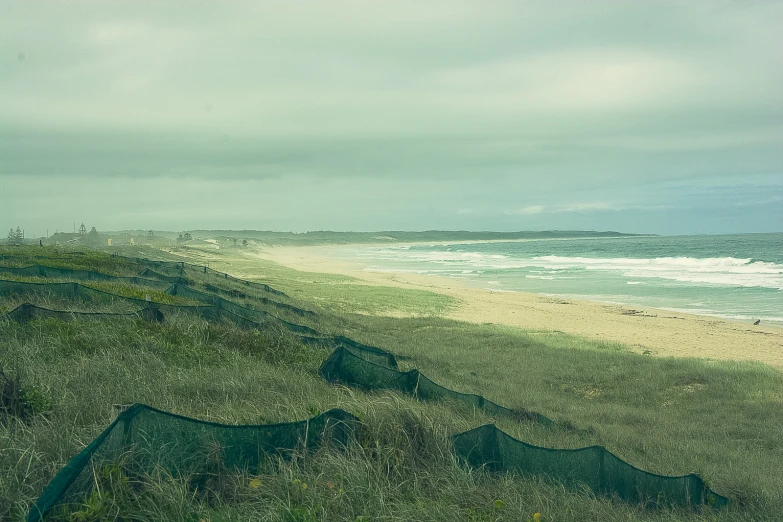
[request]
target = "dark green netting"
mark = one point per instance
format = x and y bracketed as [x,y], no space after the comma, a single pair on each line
[27,312]
[237,294]
[74,291]
[15,257]
[147,272]
[81,275]
[159,281]
[224,276]
[177,268]
[211,298]
[429,390]
[369,353]
[244,317]
[143,438]
[224,305]
[348,367]
[595,467]
[216,308]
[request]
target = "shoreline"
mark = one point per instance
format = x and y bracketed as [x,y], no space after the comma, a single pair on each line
[659,331]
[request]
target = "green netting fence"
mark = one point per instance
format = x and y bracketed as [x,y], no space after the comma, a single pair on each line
[149,273]
[245,317]
[345,366]
[150,279]
[215,309]
[236,294]
[369,353]
[73,291]
[80,275]
[595,467]
[211,298]
[224,305]
[27,312]
[143,439]
[177,268]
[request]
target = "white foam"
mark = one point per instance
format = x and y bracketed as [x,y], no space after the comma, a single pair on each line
[720,271]
[724,271]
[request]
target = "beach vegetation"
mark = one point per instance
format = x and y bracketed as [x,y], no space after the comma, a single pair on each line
[666,415]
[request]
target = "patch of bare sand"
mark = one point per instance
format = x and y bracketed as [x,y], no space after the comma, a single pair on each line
[661,332]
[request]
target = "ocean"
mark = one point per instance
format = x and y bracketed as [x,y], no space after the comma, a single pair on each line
[737,277]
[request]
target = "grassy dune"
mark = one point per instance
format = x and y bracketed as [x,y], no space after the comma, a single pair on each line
[670,416]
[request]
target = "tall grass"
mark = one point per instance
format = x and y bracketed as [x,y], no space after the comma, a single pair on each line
[670,416]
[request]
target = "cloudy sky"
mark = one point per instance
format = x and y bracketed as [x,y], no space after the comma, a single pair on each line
[639,116]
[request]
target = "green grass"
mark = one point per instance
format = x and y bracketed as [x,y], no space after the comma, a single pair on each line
[670,416]
[138,292]
[63,257]
[332,292]
[111,287]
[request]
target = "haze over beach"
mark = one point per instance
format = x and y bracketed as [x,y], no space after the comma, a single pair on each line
[391,260]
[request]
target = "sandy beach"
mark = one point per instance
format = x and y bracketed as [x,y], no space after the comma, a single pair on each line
[661,332]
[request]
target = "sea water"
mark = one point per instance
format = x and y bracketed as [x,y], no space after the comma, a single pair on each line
[737,277]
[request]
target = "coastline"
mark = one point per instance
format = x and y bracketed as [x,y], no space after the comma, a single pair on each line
[661,332]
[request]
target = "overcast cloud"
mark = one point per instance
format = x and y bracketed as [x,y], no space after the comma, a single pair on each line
[643,116]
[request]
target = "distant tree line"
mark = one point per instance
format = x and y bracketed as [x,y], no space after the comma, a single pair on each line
[15,238]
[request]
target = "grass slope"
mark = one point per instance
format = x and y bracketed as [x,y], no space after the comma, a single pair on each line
[668,416]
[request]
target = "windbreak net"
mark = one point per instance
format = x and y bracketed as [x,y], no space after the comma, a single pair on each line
[177,268]
[76,291]
[80,275]
[143,439]
[169,268]
[20,288]
[346,367]
[237,294]
[226,277]
[594,467]
[215,308]
[370,353]
[27,312]
[149,273]
[349,367]
[212,298]
[224,305]
[159,281]
[431,391]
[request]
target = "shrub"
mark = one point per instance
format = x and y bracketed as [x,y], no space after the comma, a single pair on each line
[18,400]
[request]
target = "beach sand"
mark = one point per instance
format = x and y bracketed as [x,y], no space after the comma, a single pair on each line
[661,332]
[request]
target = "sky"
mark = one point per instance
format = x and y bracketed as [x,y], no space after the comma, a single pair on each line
[638,116]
